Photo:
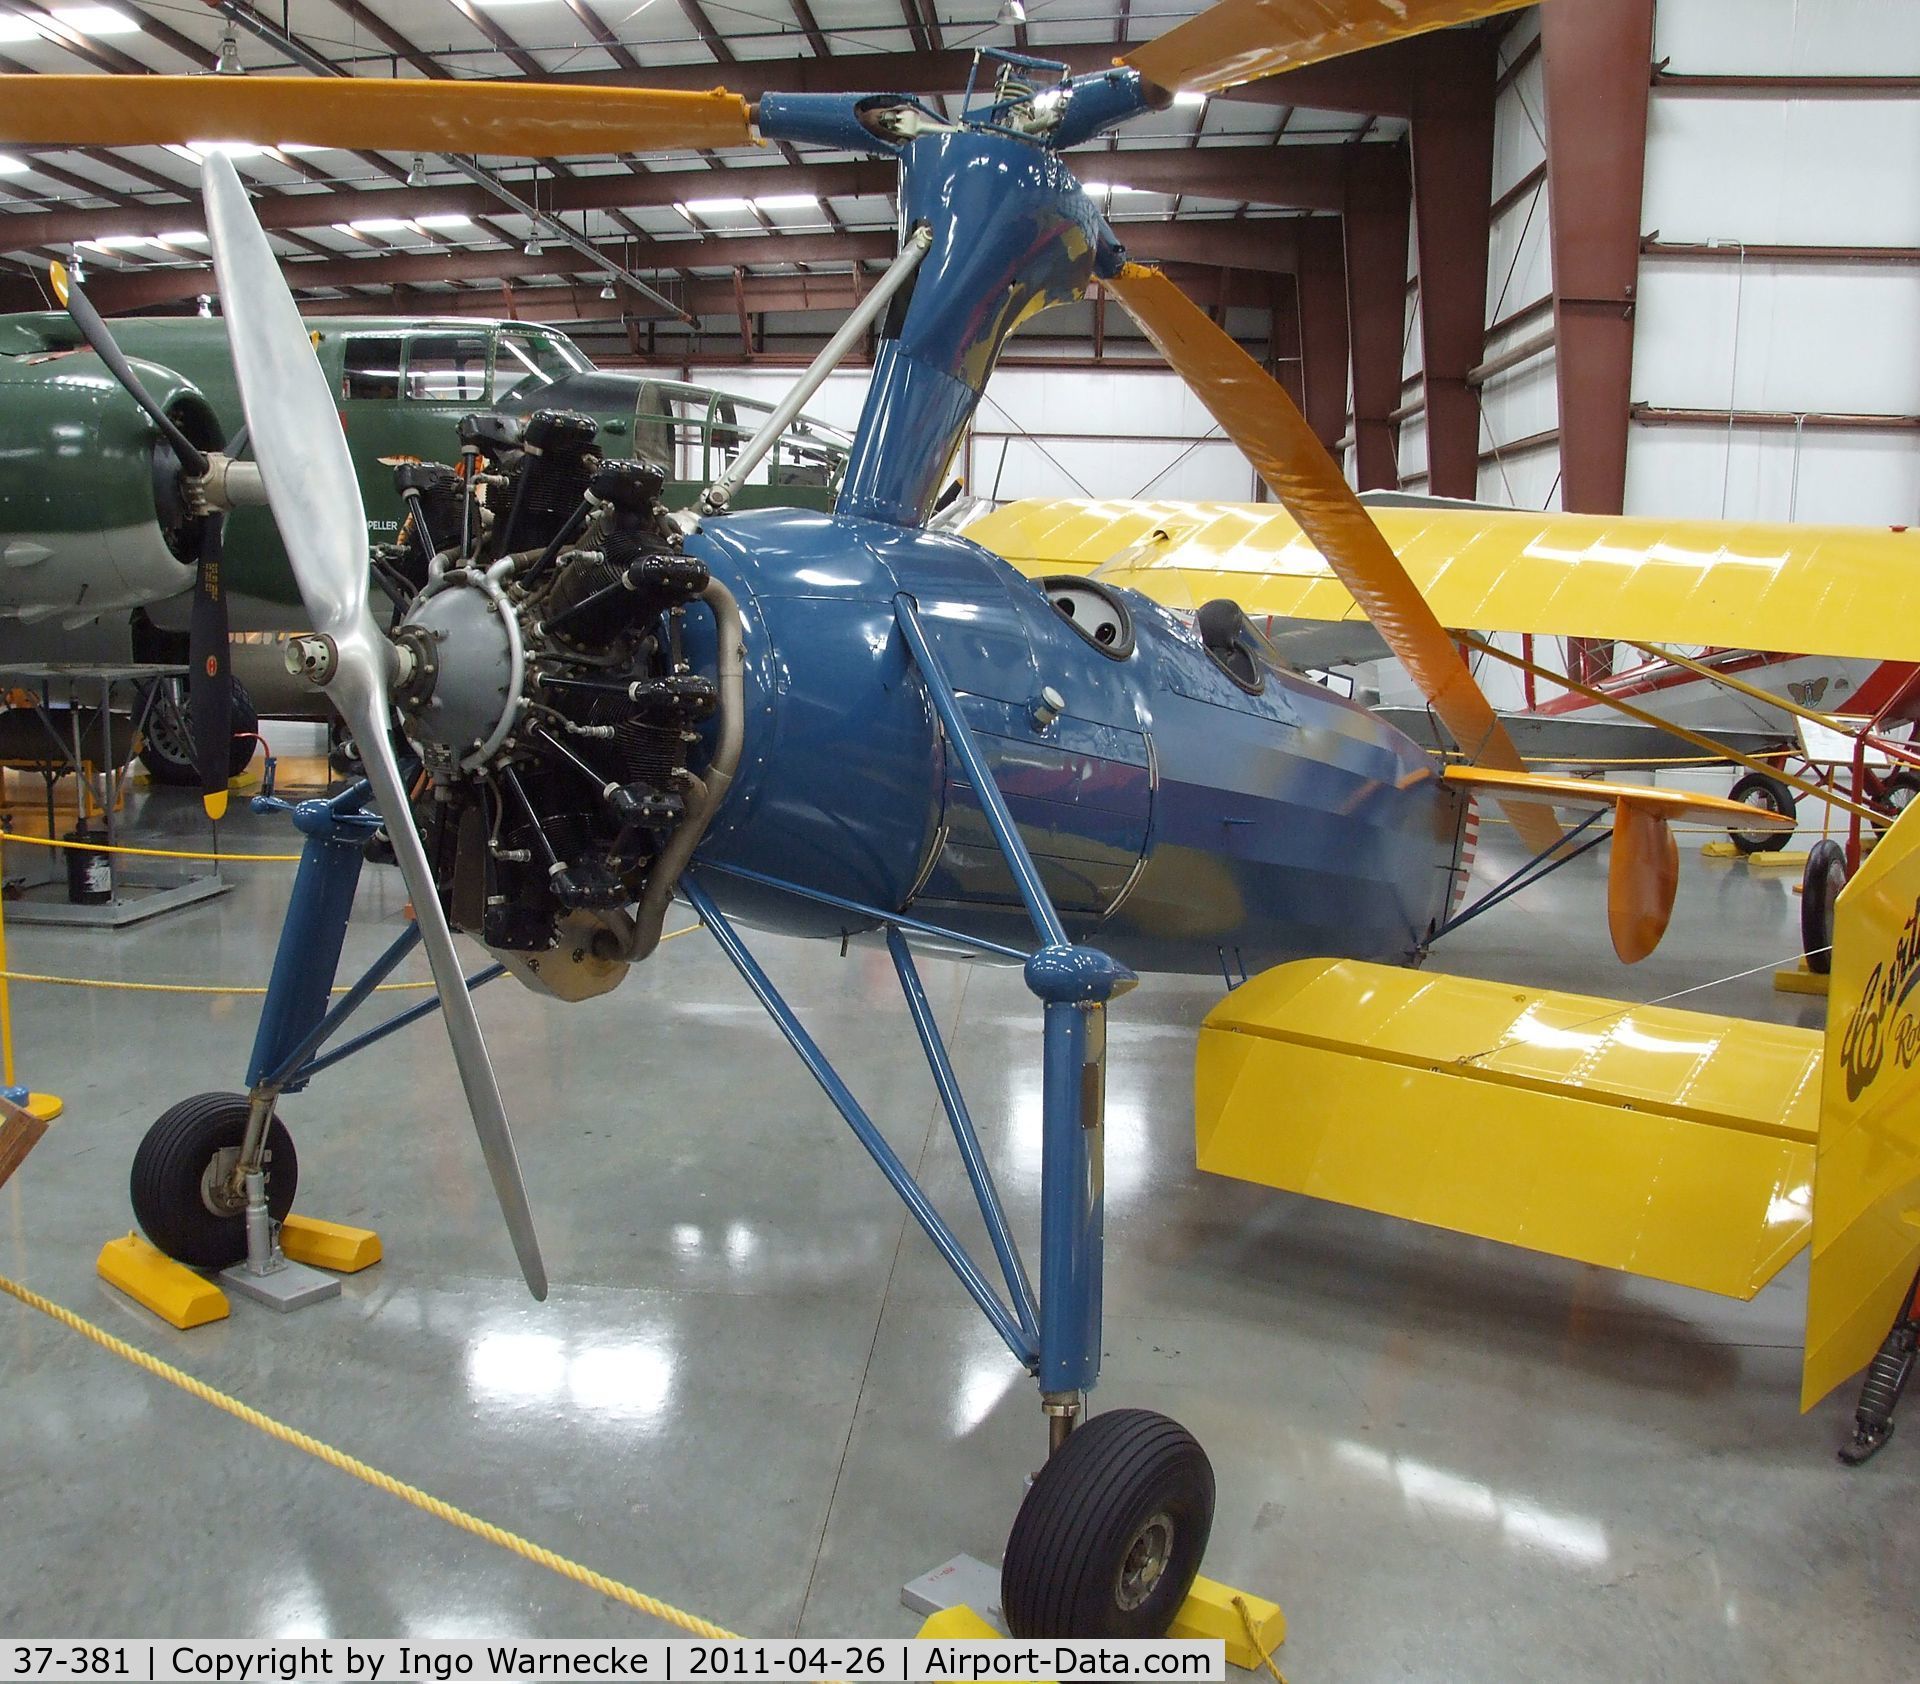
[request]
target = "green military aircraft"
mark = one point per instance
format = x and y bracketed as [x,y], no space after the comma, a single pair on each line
[98,552]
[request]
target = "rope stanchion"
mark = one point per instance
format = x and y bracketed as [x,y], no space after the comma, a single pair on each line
[6,999]
[44,1106]
[367,1474]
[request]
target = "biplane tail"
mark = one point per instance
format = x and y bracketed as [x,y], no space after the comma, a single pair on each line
[1703,1150]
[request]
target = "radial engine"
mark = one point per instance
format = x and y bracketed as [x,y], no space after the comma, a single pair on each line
[540,593]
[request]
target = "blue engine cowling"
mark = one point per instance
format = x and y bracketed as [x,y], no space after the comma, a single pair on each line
[1174,815]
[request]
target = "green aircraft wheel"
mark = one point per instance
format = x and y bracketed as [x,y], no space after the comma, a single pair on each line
[1769,795]
[1110,1536]
[178,1179]
[166,739]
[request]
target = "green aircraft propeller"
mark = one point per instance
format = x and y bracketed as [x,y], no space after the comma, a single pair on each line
[208,640]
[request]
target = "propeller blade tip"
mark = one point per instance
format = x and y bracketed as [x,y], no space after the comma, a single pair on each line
[57,275]
[216,805]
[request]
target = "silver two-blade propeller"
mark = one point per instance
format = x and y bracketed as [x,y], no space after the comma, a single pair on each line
[315,496]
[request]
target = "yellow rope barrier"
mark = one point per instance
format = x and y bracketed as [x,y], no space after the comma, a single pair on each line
[173,987]
[1253,1637]
[144,853]
[525,1548]
[207,987]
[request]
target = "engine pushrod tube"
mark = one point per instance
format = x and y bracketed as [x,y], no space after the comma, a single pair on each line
[965,1136]
[399,1021]
[832,354]
[917,925]
[1026,875]
[932,1223]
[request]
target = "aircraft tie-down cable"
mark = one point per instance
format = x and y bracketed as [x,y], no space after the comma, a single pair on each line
[1628,1006]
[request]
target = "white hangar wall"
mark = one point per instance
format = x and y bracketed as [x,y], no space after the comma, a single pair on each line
[1115,431]
[1739,330]
[1731,325]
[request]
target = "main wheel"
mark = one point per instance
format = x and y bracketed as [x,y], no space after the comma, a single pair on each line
[179,1179]
[1819,890]
[1770,795]
[1111,1533]
[166,739]
[1898,792]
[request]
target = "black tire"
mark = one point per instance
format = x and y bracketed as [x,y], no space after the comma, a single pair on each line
[1897,792]
[1769,794]
[1111,1533]
[343,754]
[169,1180]
[166,740]
[1825,877]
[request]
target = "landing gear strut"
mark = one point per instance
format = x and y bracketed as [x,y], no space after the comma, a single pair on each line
[1887,1377]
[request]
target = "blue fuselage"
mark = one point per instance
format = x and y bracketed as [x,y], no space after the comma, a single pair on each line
[1174,817]
[1177,818]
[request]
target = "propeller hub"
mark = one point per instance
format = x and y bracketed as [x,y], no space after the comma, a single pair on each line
[466,690]
[314,657]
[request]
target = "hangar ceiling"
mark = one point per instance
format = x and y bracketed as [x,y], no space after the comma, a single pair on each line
[1220,189]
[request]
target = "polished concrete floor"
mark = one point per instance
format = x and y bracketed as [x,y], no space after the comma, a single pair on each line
[755,1391]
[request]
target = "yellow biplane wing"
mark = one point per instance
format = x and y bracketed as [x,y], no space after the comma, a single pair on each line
[1815,590]
[1667,1143]
[1684,1146]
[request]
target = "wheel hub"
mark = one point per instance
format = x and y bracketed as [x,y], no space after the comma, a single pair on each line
[167,725]
[1145,1562]
[217,1191]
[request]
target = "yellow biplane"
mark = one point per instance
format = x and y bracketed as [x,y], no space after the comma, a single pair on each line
[1698,1149]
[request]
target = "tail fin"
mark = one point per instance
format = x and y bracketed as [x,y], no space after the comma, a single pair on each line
[1866,1182]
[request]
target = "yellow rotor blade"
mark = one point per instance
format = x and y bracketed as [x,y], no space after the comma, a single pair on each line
[517,119]
[1238,40]
[1256,413]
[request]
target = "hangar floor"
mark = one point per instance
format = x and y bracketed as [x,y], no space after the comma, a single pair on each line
[756,1392]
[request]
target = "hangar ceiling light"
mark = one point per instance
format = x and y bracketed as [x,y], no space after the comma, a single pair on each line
[96,20]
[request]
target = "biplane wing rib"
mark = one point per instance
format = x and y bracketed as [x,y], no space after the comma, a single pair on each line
[1667,1143]
[1814,590]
